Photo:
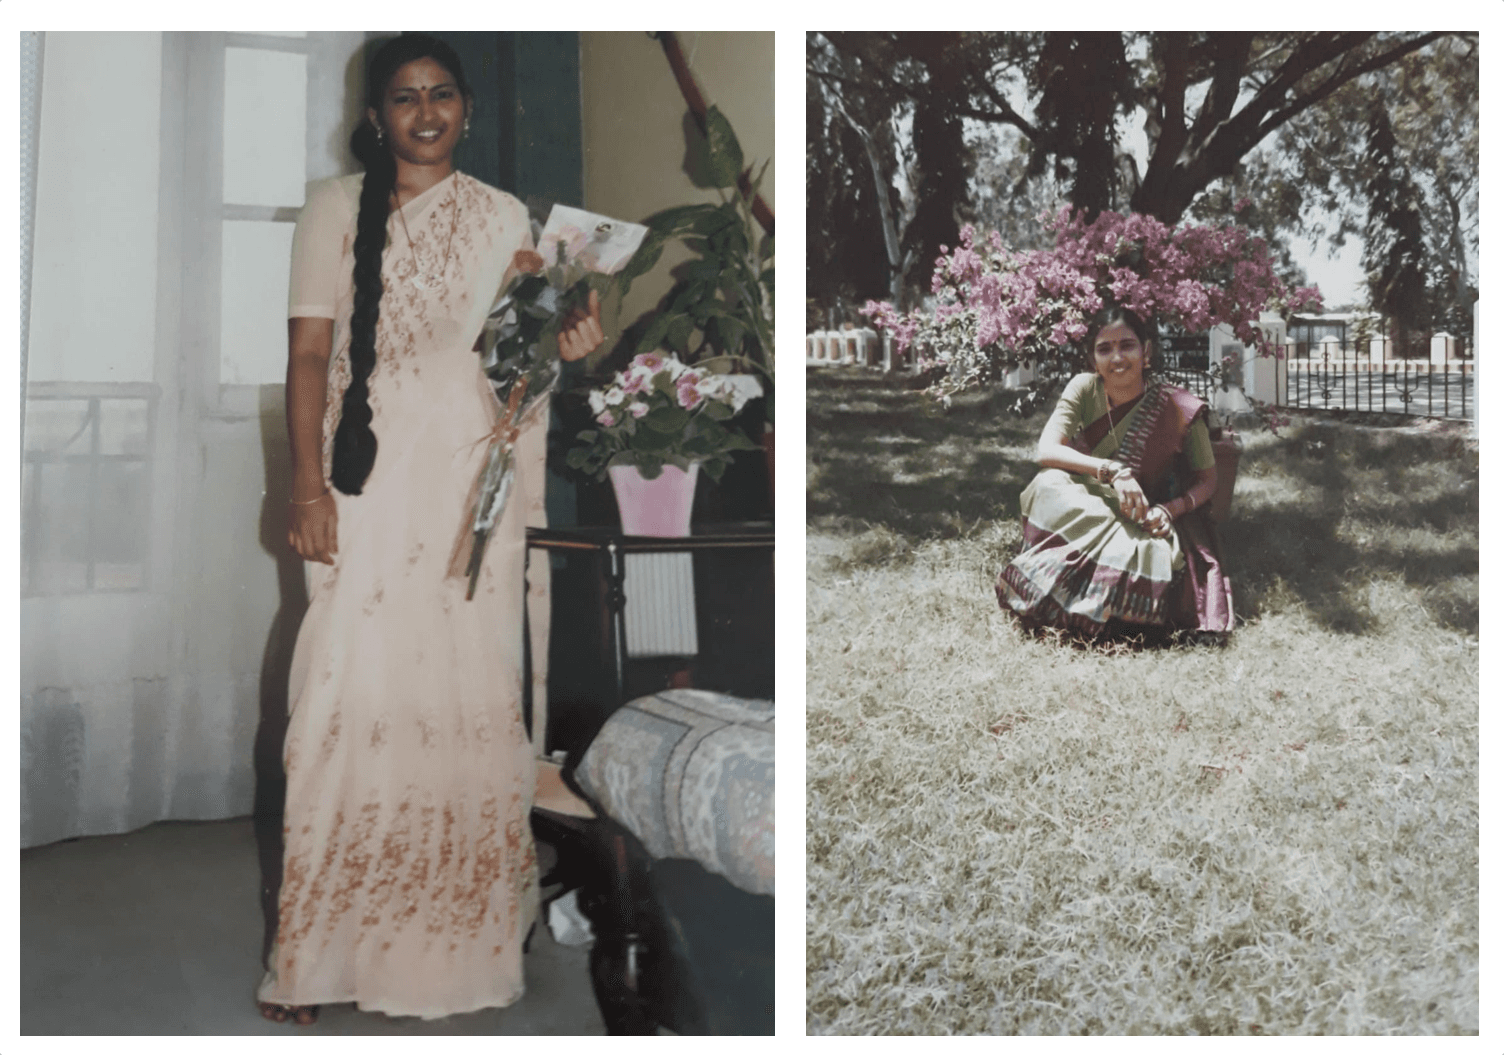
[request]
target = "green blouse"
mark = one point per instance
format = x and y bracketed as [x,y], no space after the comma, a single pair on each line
[1085,400]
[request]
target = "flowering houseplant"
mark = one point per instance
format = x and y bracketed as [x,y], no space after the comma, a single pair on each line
[723,303]
[660,412]
[996,309]
[521,352]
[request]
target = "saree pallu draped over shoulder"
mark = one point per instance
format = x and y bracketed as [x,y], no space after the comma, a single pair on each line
[409,870]
[1085,565]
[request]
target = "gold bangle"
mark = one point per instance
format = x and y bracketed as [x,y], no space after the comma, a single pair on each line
[310,501]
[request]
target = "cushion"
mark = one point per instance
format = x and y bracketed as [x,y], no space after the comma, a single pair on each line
[690,773]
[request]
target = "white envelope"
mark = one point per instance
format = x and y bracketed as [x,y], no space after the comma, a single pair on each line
[595,242]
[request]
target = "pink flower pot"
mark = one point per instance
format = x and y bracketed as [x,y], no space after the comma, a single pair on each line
[658,507]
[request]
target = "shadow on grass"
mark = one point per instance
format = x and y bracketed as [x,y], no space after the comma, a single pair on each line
[1340,504]
[1350,492]
[880,455]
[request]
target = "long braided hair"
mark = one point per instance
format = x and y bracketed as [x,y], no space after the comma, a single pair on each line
[354,442]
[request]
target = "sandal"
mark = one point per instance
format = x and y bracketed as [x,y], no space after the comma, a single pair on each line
[305,1015]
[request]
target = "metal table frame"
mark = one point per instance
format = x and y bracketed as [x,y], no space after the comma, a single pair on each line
[612,547]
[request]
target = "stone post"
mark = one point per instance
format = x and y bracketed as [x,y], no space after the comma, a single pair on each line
[1264,377]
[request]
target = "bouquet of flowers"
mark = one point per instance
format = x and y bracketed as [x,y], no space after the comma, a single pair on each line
[577,252]
[660,412]
[996,309]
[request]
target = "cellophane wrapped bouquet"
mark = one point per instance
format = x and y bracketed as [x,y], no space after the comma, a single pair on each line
[577,252]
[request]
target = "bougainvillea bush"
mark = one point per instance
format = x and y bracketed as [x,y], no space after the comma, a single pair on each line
[995,310]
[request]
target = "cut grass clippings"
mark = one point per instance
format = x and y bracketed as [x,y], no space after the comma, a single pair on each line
[1013,835]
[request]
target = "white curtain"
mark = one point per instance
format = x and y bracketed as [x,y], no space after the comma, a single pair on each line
[159,602]
[31,106]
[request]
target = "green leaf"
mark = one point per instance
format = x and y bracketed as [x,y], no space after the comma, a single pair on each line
[653,441]
[725,153]
[754,184]
[671,221]
[730,331]
[642,261]
[667,420]
[705,269]
[653,336]
[718,218]
[679,331]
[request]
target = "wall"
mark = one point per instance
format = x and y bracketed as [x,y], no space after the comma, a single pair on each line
[634,130]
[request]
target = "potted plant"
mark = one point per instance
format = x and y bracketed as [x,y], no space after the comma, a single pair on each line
[658,422]
[719,313]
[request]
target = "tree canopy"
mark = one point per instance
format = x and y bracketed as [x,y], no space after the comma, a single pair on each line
[1171,125]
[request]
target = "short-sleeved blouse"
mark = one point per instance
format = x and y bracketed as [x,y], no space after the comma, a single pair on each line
[318,246]
[1085,400]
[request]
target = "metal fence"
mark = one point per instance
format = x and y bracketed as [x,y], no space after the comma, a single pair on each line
[1198,382]
[1345,375]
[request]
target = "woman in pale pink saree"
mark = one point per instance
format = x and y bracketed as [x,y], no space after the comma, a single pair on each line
[409,878]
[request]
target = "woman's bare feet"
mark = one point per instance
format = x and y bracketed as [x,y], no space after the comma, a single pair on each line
[306,1015]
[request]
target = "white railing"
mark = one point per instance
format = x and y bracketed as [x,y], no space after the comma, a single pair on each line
[853,347]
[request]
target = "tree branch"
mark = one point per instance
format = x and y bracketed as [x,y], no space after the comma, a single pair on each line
[1168,140]
[696,102]
[1337,80]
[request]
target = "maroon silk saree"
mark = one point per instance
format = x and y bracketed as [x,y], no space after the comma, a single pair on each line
[1085,565]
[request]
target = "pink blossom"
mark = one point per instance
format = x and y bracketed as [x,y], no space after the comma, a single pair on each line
[689,394]
[638,409]
[606,418]
[634,382]
[994,308]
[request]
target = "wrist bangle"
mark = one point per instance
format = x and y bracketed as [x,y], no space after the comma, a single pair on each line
[309,502]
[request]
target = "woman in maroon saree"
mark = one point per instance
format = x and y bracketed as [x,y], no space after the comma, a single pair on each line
[1116,528]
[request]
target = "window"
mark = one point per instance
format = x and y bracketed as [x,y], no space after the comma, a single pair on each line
[84,482]
[264,169]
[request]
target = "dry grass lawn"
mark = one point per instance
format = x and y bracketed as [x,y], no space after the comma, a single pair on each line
[1009,835]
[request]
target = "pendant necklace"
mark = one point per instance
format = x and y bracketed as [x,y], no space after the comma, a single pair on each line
[423,278]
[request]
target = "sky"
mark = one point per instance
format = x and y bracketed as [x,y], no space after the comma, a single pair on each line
[1339,278]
